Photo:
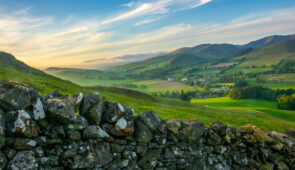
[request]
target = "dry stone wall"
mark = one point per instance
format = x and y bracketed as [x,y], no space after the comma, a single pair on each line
[86,132]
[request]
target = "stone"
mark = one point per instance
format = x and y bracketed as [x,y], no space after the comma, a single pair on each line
[39,151]
[113,112]
[259,135]
[78,100]
[24,144]
[129,155]
[248,129]
[49,161]
[117,148]
[290,132]
[142,133]
[23,125]
[38,110]
[14,96]
[3,161]
[94,114]
[74,135]
[220,149]
[173,125]
[150,160]
[277,146]
[125,125]
[118,164]
[2,128]
[168,154]
[9,152]
[95,132]
[282,166]
[104,154]
[151,120]
[218,127]
[84,162]
[55,131]
[61,110]
[23,160]
[231,133]
[196,130]
[88,102]
[78,123]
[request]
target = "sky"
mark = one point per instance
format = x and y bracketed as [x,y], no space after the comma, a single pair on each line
[70,33]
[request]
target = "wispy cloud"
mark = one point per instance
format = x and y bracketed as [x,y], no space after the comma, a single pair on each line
[43,42]
[156,7]
[145,21]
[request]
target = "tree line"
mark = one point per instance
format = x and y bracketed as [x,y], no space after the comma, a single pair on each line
[285,98]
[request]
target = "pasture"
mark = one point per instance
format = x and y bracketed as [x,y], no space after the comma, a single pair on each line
[264,106]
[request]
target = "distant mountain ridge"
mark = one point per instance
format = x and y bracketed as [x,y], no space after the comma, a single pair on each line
[266,41]
[199,56]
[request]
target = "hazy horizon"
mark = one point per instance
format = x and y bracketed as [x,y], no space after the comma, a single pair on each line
[69,33]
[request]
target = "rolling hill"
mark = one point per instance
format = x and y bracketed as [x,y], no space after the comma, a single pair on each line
[268,41]
[15,70]
[197,58]
[266,57]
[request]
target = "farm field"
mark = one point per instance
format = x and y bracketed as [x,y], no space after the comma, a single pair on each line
[264,106]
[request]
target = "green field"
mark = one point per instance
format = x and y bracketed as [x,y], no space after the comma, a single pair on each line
[264,106]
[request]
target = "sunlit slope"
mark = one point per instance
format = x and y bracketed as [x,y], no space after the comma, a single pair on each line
[270,55]
[12,69]
[183,57]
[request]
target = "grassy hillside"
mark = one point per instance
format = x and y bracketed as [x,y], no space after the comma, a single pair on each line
[182,57]
[199,58]
[12,69]
[267,56]
[264,106]
[268,41]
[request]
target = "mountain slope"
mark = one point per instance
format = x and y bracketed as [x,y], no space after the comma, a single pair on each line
[15,70]
[272,54]
[184,57]
[12,69]
[190,60]
[266,41]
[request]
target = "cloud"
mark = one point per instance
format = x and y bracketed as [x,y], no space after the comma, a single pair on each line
[155,8]
[146,21]
[130,4]
[43,42]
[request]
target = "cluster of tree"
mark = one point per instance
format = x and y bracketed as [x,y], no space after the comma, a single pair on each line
[231,78]
[259,92]
[285,66]
[175,94]
[286,102]
[187,96]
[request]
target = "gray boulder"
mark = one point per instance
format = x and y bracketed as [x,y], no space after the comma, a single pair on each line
[151,120]
[14,96]
[173,125]
[89,100]
[23,160]
[142,133]
[113,112]
[125,125]
[79,123]
[92,108]
[61,110]
[24,144]
[21,124]
[95,132]
[196,130]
